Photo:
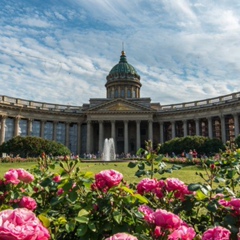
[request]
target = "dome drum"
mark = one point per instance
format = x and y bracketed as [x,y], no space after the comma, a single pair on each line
[123,80]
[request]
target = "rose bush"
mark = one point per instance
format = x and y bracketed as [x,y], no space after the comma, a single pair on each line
[71,204]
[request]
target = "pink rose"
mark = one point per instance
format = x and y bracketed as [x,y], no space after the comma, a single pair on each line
[216,233]
[12,177]
[148,213]
[146,185]
[21,224]
[183,233]
[174,184]
[60,191]
[158,232]
[28,202]
[166,219]
[24,175]
[57,179]
[235,203]
[107,179]
[122,236]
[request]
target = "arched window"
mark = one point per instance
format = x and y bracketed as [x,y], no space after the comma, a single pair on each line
[116,93]
[122,93]
[128,93]
[134,93]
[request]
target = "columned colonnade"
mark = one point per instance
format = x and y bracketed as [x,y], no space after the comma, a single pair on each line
[223,127]
[120,132]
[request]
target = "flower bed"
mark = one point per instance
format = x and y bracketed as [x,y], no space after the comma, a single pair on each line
[72,204]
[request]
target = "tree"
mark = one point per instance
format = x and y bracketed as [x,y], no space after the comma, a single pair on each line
[33,147]
[201,144]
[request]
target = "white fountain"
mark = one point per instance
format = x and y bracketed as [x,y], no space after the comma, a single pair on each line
[108,150]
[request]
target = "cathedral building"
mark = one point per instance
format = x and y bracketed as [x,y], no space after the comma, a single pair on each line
[123,115]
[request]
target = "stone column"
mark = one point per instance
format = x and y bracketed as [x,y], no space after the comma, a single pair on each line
[138,137]
[55,130]
[161,132]
[223,129]
[100,140]
[113,130]
[16,127]
[150,130]
[236,125]
[197,127]
[79,127]
[67,134]
[210,131]
[3,122]
[173,129]
[184,128]
[29,127]
[42,129]
[126,136]
[89,136]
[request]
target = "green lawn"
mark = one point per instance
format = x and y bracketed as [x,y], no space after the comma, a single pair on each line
[187,174]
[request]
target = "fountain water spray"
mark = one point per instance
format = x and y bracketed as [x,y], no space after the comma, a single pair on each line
[108,150]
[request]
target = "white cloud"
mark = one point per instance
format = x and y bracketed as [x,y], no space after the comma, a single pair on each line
[62,53]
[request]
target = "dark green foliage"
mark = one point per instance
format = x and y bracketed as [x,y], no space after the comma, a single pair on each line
[237,141]
[201,144]
[33,147]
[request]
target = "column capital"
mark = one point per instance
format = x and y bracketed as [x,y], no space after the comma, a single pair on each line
[3,117]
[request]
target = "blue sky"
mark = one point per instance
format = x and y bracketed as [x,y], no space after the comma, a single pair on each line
[61,51]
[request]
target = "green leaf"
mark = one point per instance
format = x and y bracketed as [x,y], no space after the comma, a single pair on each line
[141,166]
[140,151]
[126,189]
[132,164]
[70,226]
[230,174]
[82,219]
[92,226]
[46,182]
[83,212]
[54,201]
[89,175]
[45,221]
[141,198]
[219,179]
[140,173]
[199,195]
[204,190]
[73,196]
[81,231]
[194,187]
[67,186]
[212,207]
[117,216]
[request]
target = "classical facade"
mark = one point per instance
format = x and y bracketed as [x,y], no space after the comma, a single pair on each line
[122,115]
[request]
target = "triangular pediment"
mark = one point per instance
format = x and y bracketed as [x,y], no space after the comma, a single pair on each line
[120,105]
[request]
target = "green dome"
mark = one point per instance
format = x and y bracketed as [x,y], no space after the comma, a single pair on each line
[123,67]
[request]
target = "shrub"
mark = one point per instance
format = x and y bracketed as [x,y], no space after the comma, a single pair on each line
[33,147]
[203,145]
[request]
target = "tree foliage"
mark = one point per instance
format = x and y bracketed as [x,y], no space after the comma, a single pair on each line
[33,147]
[203,145]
